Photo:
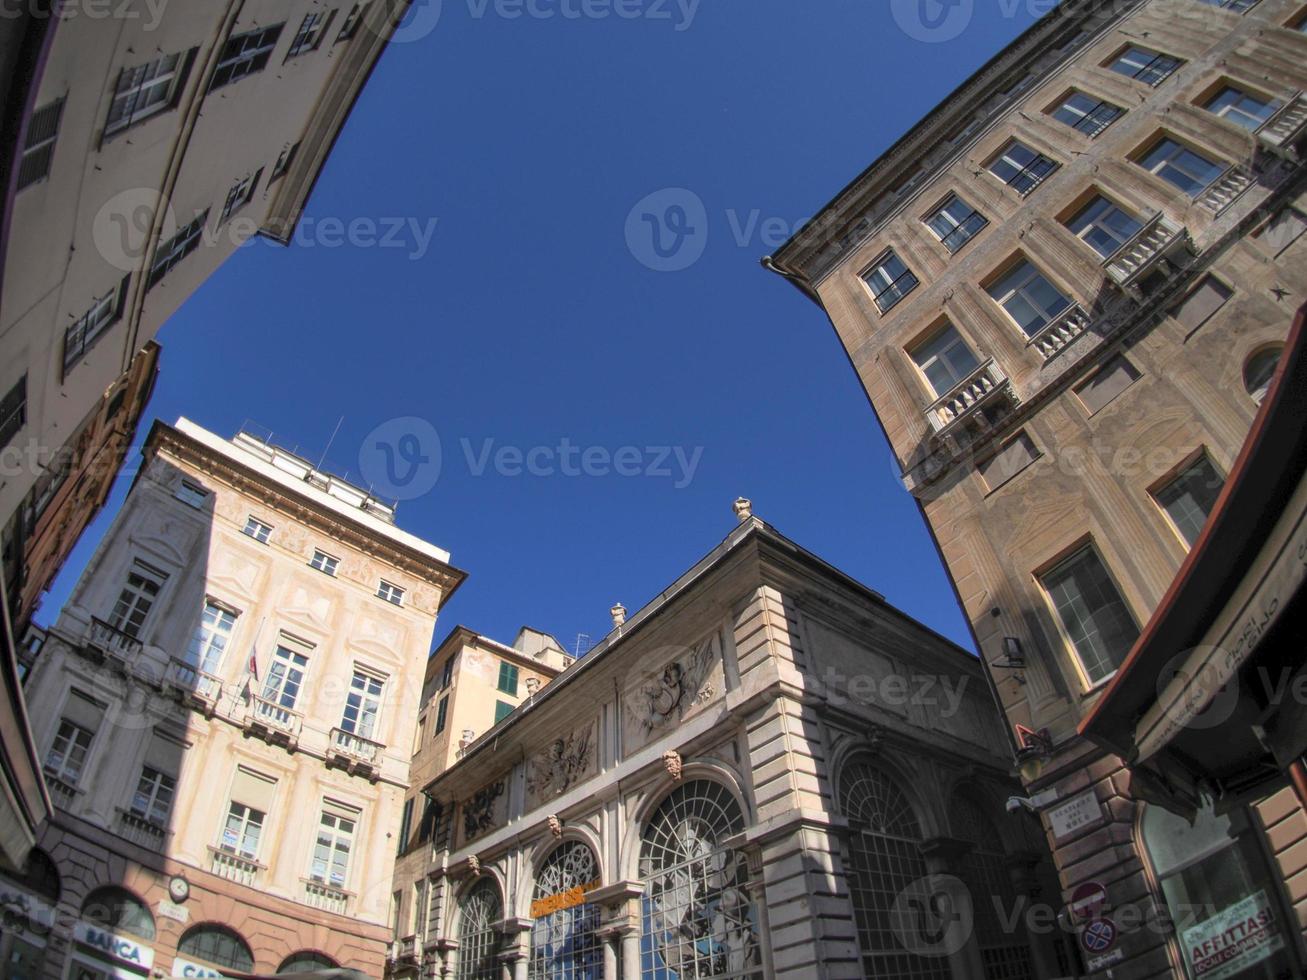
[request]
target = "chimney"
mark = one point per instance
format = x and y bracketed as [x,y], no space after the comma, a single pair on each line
[618,613]
[743,508]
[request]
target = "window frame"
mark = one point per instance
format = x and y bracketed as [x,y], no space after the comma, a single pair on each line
[152,796]
[245,821]
[308,36]
[390,592]
[72,740]
[257,56]
[1169,480]
[201,645]
[941,209]
[329,564]
[239,195]
[365,696]
[1112,204]
[1139,75]
[1037,178]
[878,264]
[192,494]
[256,529]
[1006,273]
[1139,158]
[513,673]
[929,338]
[1096,123]
[39,143]
[87,329]
[1231,113]
[173,79]
[13,411]
[334,812]
[146,572]
[170,254]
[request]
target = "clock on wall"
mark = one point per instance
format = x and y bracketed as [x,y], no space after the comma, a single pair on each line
[179,888]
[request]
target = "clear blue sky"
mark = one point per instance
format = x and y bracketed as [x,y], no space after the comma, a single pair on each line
[530,319]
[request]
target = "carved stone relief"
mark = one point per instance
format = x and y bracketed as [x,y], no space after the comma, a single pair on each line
[673,692]
[485,811]
[567,761]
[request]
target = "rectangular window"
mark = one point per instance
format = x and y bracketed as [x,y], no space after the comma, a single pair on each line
[945,359]
[1104,226]
[1021,168]
[889,280]
[405,825]
[1238,6]
[442,715]
[1282,230]
[245,54]
[507,678]
[284,160]
[363,704]
[1029,298]
[212,635]
[240,194]
[80,335]
[152,800]
[13,411]
[353,19]
[1092,613]
[240,834]
[1180,166]
[502,710]
[145,90]
[391,593]
[168,255]
[332,848]
[136,599]
[1147,66]
[1086,114]
[430,818]
[38,148]
[285,677]
[419,923]
[1189,498]
[1114,377]
[256,529]
[67,755]
[447,675]
[1014,457]
[323,562]
[191,495]
[955,222]
[1241,108]
[1201,304]
[309,35]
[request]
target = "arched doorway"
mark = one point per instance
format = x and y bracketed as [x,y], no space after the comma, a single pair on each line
[564,945]
[1004,951]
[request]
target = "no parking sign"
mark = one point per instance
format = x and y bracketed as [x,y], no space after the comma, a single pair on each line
[1098,936]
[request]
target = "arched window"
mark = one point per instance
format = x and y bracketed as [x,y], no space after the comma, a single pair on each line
[884,851]
[563,940]
[118,910]
[1005,952]
[306,961]
[698,919]
[478,941]
[217,945]
[40,876]
[1259,371]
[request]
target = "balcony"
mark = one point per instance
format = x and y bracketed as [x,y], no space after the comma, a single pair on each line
[233,867]
[1058,333]
[985,385]
[202,690]
[404,951]
[111,642]
[354,752]
[138,830]
[62,794]
[1158,241]
[273,723]
[1284,132]
[1225,189]
[328,898]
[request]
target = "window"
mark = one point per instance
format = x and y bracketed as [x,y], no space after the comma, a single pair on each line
[430,819]
[332,848]
[80,336]
[391,593]
[283,163]
[353,19]
[418,926]
[217,945]
[309,36]
[502,710]
[1202,303]
[507,678]
[1115,376]
[1259,372]
[306,961]
[1299,23]
[168,255]
[323,562]
[1147,66]
[1021,168]
[211,637]
[136,599]
[955,222]
[256,529]
[1104,226]
[145,90]
[945,360]
[240,834]
[38,148]
[1241,108]
[191,495]
[480,909]
[1086,114]
[405,825]
[67,755]
[442,714]
[245,54]
[13,411]
[1177,165]
[285,677]
[889,281]
[362,704]
[152,800]
[1190,496]
[564,940]
[1014,457]
[1029,298]
[1238,6]
[118,910]
[1282,230]
[240,194]
[1092,613]
[447,675]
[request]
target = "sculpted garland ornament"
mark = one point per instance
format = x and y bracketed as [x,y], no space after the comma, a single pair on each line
[479,812]
[684,684]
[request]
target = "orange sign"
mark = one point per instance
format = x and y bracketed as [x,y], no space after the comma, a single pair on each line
[563,900]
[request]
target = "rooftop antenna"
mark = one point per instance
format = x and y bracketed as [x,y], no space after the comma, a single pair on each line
[582,644]
[334,431]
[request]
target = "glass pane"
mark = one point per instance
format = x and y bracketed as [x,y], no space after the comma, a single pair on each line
[1190,498]
[1093,613]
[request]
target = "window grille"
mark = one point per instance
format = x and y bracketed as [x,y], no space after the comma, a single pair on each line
[564,944]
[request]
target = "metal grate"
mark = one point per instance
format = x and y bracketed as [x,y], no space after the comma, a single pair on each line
[478,942]
[1006,954]
[698,920]
[564,945]
[38,151]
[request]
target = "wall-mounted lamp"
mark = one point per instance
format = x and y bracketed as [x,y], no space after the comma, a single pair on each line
[1014,658]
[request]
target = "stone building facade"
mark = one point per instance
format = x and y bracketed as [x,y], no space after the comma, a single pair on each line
[224,711]
[1065,292]
[756,775]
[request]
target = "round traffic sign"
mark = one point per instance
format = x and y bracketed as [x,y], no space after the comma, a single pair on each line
[1087,901]
[1098,936]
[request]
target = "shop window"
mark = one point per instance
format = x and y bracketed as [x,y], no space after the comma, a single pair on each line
[118,910]
[306,962]
[217,945]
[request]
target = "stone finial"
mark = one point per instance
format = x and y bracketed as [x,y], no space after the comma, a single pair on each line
[618,613]
[468,737]
[672,760]
[532,685]
[743,508]
[474,865]
[555,826]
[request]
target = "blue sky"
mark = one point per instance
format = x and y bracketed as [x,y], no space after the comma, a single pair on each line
[514,307]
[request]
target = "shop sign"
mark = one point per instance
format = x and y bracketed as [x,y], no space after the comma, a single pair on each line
[562,900]
[185,968]
[1232,941]
[1075,814]
[114,946]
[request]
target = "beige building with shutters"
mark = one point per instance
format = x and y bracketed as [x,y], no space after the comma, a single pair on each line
[1067,292]
[225,712]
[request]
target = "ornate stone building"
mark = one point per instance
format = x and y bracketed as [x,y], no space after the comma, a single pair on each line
[224,712]
[1067,293]
[758,774]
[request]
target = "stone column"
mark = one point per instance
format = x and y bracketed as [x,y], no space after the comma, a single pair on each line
[516,955]
[619,928]
[944,858]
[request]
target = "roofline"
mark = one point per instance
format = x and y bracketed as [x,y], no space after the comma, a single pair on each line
[466,632]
